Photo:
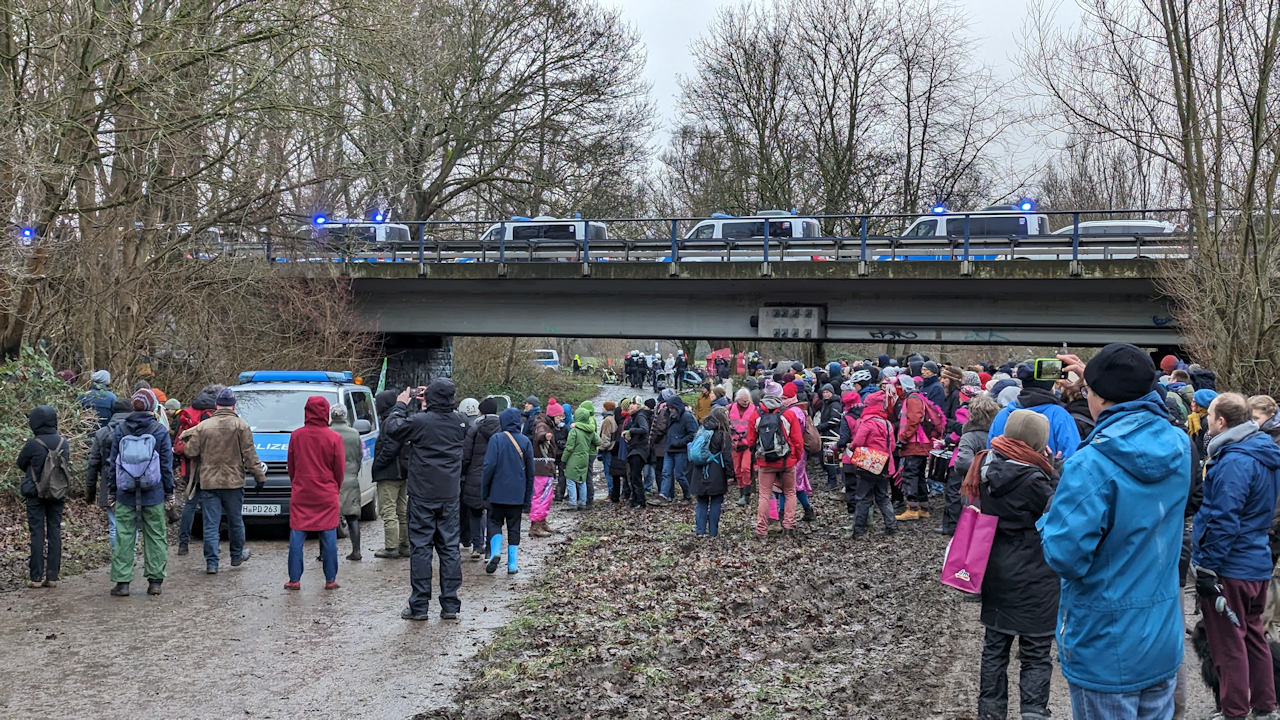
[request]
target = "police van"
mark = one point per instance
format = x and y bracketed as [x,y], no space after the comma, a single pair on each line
[272,403]
[782,224]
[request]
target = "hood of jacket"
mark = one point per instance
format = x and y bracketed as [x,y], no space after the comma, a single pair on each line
[1248,439]
[203,401]
[675,403]
[439,397]
[384,401]
[849,399]
[509,420]
[316,411]
[1123,435]
[43,420]
[1003,475]
[141,422]
[490,425]
[584,418]
[1034,397]
[1271,425]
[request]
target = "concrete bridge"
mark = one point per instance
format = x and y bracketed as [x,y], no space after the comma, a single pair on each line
[1043,302]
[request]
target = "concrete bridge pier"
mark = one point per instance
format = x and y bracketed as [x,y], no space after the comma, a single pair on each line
[417,358]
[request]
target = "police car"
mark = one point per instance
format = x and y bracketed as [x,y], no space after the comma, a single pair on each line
[272,402]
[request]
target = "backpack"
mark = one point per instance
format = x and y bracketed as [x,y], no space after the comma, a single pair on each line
[812,440]
[772,430]
[933,422]
[54,476]
[700,449]
[137,463]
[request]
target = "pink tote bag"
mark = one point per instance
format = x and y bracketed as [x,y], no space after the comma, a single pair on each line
[969,551]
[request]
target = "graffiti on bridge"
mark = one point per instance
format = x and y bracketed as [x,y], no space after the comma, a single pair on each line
[892,334]
[988,335]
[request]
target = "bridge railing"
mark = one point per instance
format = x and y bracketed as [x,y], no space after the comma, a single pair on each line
[857,238]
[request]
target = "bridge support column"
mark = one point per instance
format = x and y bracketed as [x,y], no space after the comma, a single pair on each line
[414,360]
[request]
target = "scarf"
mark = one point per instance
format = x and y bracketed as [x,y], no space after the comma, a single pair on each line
[1015,450]
[1193,422]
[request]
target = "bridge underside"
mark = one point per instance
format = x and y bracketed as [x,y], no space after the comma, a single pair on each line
[997,303]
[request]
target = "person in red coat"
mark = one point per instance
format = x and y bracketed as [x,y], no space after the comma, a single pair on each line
[316,465]
[776,474]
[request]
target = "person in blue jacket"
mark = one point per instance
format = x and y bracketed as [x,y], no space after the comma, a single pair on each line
[1113,533]
[507,487]
[99,397]
[1037,395]
[680,431]
[1232,557]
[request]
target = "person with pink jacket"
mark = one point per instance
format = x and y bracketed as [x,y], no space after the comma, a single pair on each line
[864,440]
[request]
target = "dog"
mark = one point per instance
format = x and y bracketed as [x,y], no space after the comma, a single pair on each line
[1209,673]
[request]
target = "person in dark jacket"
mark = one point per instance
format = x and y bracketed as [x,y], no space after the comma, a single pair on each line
[473,454]
[1019,592]
[1037,395]
[506,486]
[681,427]
[389,467]
[532,409]
[95,480]
[44,515]
[435,437]
[635,431]
[710,482]
[830,417]
[1232,556]
[99,397]
[140,511]
[931,387]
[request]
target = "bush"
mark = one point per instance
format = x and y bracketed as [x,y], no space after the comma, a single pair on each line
[503,366]
[26,382]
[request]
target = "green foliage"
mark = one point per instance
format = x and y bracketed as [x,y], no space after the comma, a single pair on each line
[26,382]
[562,385]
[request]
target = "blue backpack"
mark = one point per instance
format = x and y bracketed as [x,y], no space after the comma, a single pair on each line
[137,463]
[700,449]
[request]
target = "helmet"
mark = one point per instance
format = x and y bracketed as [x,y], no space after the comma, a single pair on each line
[470,407]
[860,376]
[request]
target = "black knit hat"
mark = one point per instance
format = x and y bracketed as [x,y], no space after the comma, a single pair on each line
[488,406]
[1120,373]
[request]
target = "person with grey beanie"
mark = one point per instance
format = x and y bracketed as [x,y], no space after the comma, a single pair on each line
[99,397]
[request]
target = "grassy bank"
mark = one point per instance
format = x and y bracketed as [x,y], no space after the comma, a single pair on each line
[561,385]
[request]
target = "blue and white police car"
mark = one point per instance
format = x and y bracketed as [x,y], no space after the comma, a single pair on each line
[272,402]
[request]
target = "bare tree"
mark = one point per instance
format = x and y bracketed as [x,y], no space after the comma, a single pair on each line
[1189,84]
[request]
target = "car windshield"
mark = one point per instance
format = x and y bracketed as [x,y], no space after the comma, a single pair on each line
[275,411]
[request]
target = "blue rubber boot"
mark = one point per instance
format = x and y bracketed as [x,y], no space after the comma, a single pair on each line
[495,554]
[513,551]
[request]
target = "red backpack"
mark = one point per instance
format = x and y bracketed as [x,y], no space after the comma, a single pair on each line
[934,421]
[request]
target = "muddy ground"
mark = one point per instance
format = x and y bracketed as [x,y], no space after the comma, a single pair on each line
[636,617]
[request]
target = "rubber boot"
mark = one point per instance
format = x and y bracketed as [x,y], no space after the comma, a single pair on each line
[513,551]
[495,552]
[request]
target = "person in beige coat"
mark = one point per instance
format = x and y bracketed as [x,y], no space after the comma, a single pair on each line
[349,493]
[222,448]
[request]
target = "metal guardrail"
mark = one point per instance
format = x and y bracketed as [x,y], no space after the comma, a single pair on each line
[450,241]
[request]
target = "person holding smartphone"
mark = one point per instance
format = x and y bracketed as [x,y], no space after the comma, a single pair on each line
[1037,396]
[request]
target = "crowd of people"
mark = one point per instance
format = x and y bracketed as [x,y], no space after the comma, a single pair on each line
[1113,483]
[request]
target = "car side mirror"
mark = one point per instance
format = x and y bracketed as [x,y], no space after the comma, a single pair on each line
[363,426]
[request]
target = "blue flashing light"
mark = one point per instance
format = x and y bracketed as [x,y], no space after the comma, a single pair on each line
[938,209]
[378,216]
[1026,206]
[520,218]
[720,216]
[319,219]
[28,233]
[258,376]
[577,215]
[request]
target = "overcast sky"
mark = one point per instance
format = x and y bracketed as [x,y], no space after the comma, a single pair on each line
[668,27]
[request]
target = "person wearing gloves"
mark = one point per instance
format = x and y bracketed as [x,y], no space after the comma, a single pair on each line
[349,494]
[1232,557]
[507,488]
[222,451]
[1014,482]
[1113,533]
[140,482]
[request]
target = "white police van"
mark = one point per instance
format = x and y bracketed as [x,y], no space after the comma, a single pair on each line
[272,403]
[522,231]
[782,225]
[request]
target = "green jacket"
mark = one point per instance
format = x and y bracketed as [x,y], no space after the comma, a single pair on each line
[582,444]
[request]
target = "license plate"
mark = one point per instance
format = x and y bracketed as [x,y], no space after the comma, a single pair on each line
[248,509]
